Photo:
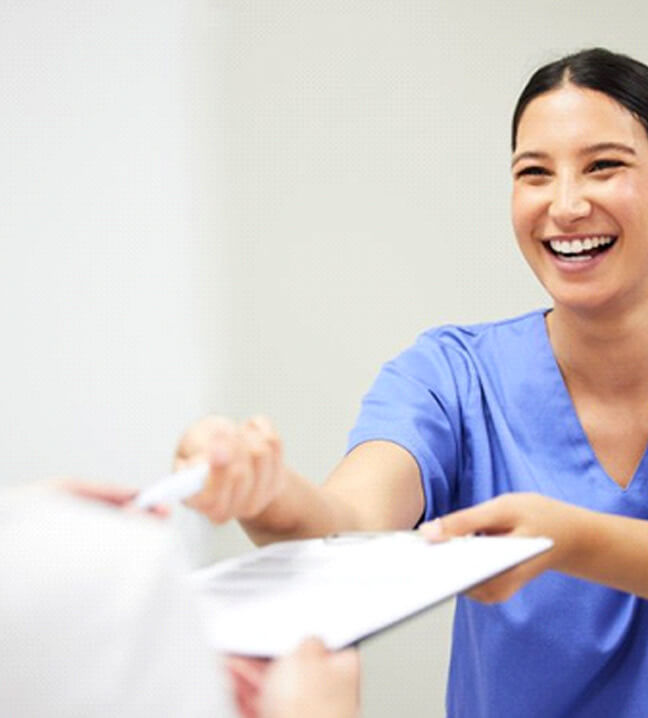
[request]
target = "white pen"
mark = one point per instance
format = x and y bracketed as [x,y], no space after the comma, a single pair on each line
[174,487]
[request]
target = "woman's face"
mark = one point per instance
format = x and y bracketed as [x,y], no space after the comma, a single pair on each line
[580,199]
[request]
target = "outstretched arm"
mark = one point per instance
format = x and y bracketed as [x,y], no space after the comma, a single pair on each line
[604,548]
[375,487]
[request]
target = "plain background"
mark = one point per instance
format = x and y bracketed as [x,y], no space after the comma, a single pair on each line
[246,207]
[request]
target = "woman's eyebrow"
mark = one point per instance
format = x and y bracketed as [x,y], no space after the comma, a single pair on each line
[530,155]
[602,146]
[590,149]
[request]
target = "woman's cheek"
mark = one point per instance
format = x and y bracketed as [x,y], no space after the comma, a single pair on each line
[525,209]
[620,197]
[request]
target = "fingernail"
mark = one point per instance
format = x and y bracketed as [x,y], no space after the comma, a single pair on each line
[433,530]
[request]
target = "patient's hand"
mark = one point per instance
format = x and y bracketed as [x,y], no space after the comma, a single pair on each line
[313,682]
[248,677]
[118,496]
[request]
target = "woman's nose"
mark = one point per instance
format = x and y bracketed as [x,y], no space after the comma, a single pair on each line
[568,204]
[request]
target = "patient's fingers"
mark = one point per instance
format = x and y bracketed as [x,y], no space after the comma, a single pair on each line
[247,676]
[118,496]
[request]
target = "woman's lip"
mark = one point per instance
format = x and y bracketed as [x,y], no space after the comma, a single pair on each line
[575,267]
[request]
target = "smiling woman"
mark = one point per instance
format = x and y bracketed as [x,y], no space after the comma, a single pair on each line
[554,402]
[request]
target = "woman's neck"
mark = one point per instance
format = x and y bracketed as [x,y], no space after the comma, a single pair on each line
[606,355]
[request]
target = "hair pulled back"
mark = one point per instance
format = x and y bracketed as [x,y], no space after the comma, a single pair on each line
[620,77]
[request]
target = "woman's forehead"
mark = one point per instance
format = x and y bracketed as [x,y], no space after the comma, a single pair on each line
[571,115]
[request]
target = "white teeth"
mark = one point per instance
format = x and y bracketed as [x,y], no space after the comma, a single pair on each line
[576,246]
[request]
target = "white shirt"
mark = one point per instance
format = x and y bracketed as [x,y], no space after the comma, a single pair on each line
[95,619]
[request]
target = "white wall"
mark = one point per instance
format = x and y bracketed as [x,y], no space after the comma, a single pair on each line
[113,294]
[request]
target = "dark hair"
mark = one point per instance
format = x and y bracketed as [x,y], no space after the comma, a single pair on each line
[618,76]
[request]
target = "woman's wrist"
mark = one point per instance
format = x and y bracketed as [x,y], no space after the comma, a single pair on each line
[582,538]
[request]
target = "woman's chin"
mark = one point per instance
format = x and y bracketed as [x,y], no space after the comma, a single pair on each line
[593,302]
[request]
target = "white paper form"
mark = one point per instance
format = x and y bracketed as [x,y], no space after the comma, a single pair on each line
[343,589]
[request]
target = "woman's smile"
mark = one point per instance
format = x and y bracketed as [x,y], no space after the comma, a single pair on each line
[580,252]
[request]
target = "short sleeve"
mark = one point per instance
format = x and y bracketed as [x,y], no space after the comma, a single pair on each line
[414,403]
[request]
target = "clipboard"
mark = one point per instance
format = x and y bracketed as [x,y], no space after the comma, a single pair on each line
[343,588]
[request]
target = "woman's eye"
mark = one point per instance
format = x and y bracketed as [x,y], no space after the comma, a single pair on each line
[532,170]
[600,165]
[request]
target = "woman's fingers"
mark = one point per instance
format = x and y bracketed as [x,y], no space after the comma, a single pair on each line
[502,587]
[494,516]
[264,451]
[515,514]
[246,467]
[201,436]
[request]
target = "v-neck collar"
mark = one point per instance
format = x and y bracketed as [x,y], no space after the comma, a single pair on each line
[567,434]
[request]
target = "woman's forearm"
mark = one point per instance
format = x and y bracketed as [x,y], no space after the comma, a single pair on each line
[609,549]
[302,510]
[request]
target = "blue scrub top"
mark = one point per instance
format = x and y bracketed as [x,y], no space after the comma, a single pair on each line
[484,410]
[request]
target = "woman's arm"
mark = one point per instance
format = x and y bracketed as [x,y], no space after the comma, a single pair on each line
[376,487]
[604,548]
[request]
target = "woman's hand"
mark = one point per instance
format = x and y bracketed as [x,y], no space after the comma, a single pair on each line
[246,466]
[516,514]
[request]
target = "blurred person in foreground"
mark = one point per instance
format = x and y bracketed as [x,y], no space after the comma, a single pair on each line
[97,621]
